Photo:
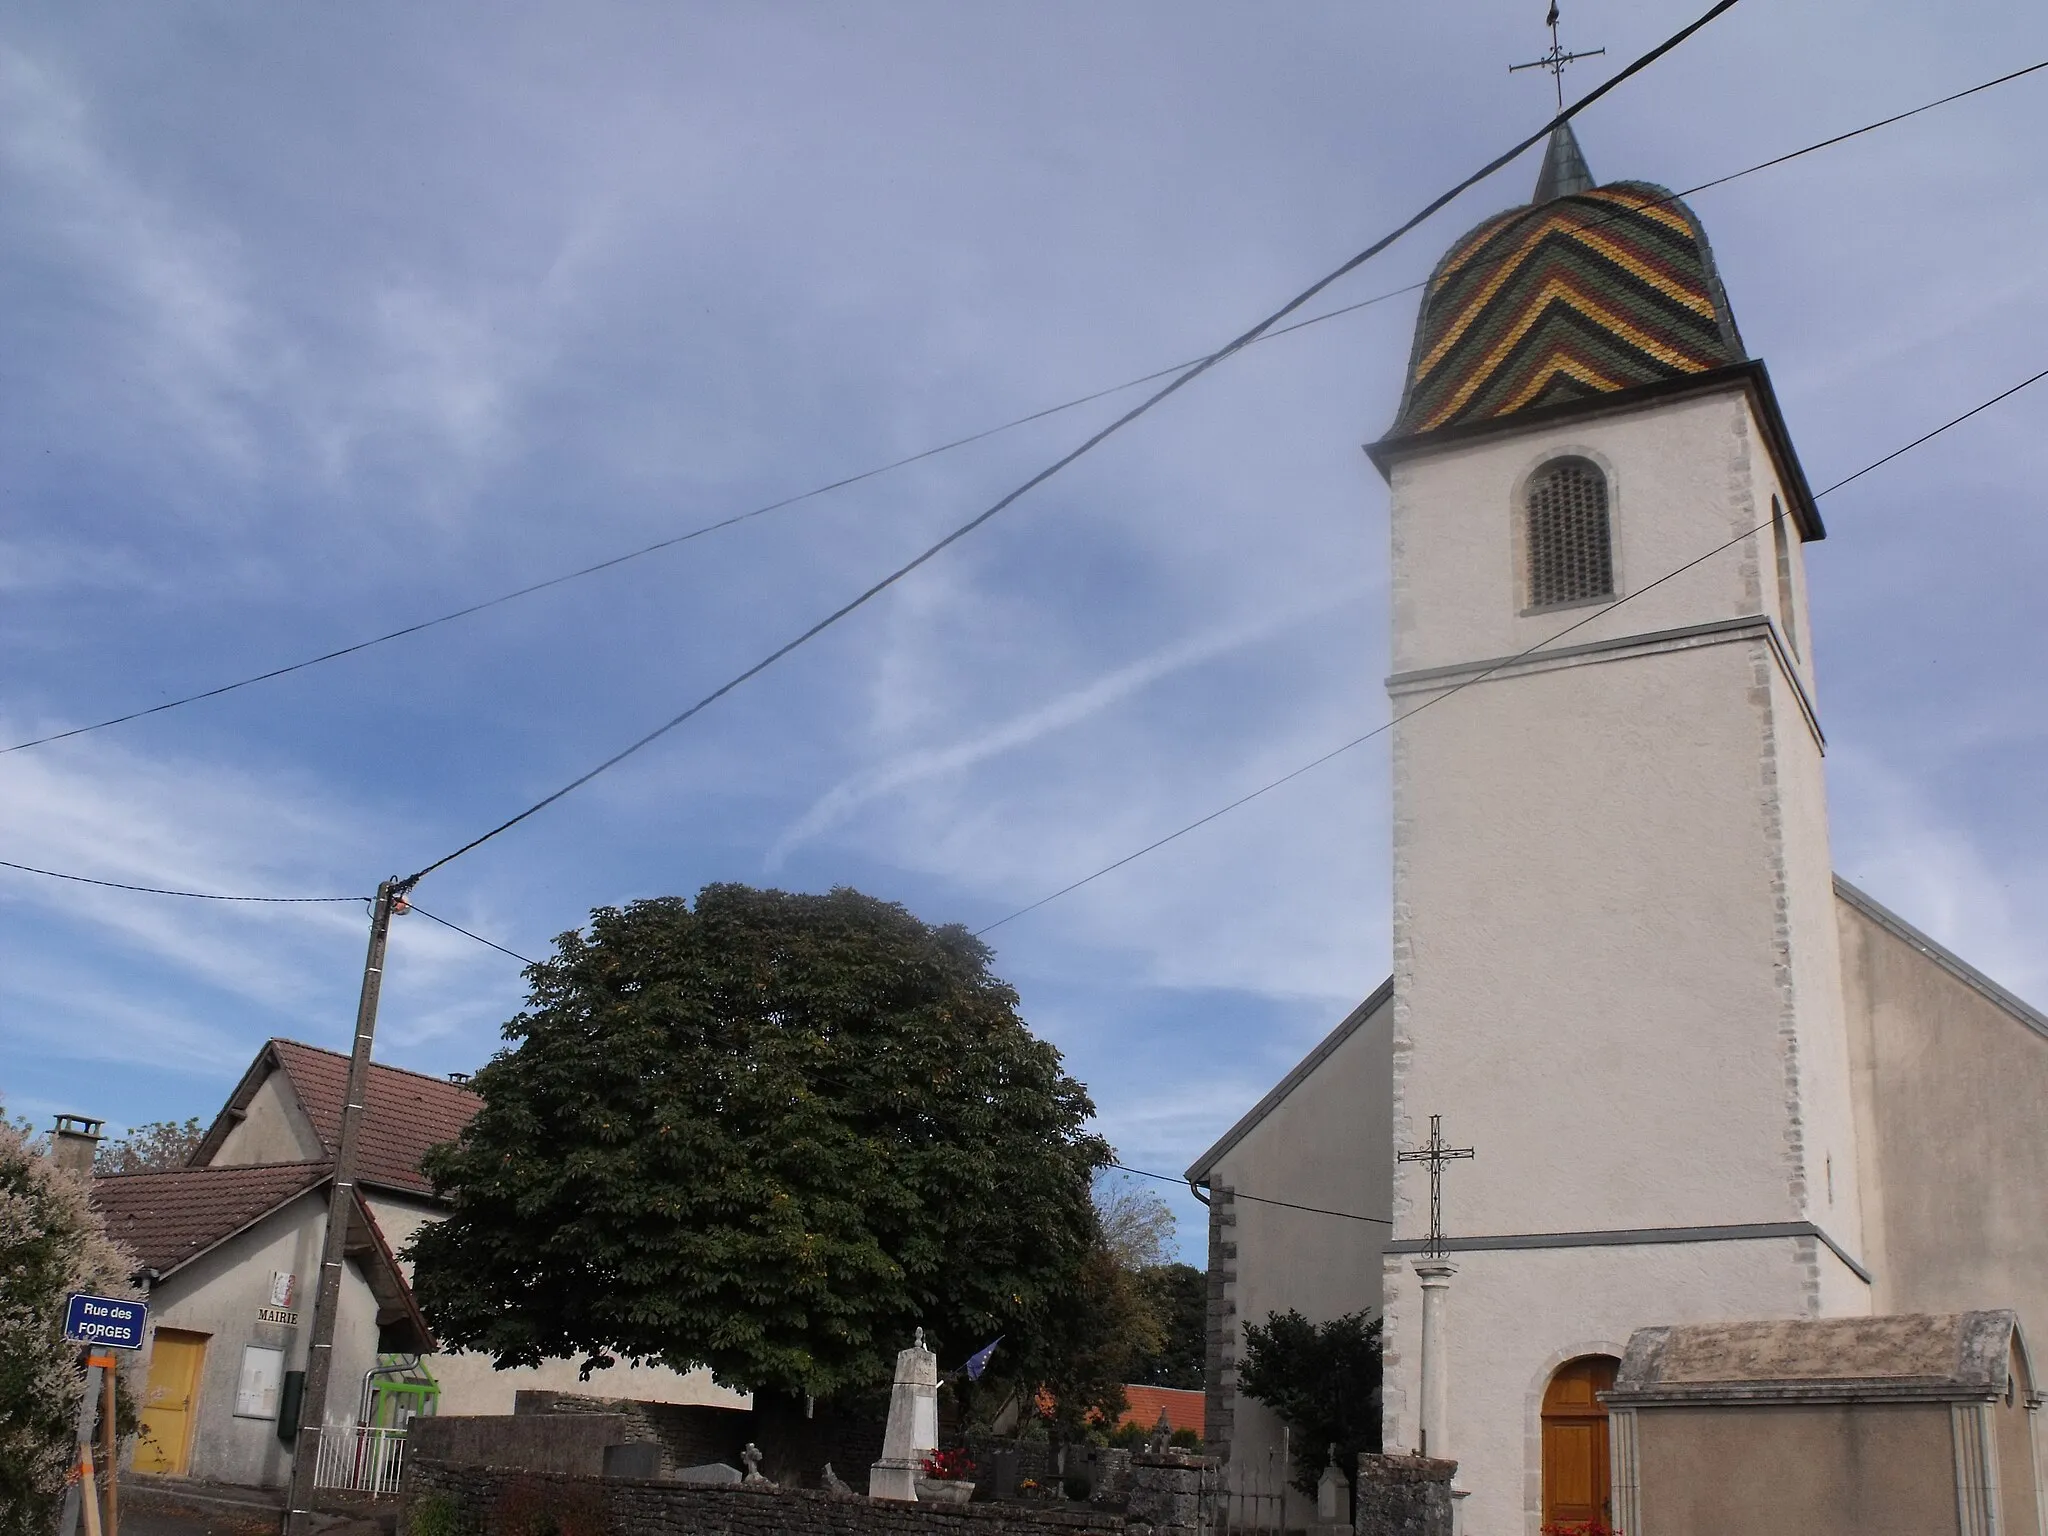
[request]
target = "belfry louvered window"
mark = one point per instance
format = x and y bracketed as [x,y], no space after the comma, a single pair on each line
[1571,552]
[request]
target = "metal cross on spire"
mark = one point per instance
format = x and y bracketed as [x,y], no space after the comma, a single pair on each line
[1435,1152]
[1557,58]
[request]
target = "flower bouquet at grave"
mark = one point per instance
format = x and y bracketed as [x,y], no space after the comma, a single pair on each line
[947,1477]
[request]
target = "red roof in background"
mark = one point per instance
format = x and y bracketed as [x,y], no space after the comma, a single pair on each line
[170,1217]
[1183,1407]
[408,1112]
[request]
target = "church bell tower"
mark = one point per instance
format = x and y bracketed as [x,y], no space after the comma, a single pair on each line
[1615,953]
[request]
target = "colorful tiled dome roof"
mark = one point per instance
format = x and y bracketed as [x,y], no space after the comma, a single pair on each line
[1586,291]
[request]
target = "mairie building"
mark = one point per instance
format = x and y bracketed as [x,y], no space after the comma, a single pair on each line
[229,1254]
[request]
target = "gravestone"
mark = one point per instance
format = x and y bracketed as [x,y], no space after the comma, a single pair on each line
[639,1459]
[1333,1494]
[1002,1473]
[913,1430]
[710,1472]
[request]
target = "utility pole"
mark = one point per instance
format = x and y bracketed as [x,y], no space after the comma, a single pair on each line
[341,1200]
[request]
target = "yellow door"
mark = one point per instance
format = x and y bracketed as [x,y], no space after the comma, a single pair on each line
[171,1402]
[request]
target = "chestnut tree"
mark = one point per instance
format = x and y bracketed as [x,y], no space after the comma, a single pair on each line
[771,1134]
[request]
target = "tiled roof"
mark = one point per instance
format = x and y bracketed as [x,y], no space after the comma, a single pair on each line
[1576,296]
[1183,1407]
[170,1217]
[408,1112]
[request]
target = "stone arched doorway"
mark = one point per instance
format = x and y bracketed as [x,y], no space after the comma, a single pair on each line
[1576,1480]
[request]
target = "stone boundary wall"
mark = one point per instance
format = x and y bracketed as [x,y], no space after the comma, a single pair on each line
[534,1442]
[1403,1496]
[794,1447]
[494,1502]
[689,1434]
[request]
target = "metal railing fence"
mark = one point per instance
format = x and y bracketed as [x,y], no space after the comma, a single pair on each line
[360,1458]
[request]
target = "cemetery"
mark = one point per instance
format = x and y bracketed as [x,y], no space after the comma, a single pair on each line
[600,1467]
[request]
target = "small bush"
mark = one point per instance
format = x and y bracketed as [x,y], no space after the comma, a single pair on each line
[1185,1440]
[434,1514]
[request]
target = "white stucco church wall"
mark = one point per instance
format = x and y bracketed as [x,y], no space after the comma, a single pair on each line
[1325,1135]
[1701,1082]
[1954,1108]
[1615,963]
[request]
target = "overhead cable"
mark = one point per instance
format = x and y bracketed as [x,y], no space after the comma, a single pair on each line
[158,890]
[413,906]
[1179,382]
[1378,730]
[1238,1194]
[947,447]
[1435,699]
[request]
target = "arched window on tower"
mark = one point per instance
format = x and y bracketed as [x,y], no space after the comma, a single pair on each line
[1571,549]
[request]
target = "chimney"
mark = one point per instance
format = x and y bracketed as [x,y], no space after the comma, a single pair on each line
[73,1142]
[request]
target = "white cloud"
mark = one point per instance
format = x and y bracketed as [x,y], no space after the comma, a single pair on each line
[172,282]
[96,809]
[1020,731]
[1929,867]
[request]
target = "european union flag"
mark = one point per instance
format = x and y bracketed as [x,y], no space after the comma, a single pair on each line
[978,1361]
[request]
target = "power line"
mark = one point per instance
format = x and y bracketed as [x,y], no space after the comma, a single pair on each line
[947,447]
[413,906]
[158,890]
[1177,383]
[1382,729]
[1238,1194]
[1957,421]
[1953,421]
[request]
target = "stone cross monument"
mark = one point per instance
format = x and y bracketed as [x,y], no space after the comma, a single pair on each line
[1434,1271]
[913,1431]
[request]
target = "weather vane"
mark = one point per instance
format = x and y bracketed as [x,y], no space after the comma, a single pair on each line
[1557,58]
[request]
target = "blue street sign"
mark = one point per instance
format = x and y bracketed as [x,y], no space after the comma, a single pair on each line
[105,1320]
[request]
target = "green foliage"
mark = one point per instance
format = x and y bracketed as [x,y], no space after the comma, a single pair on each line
[155,1144]
[1129,1437]
[434,1514]
[771,1135]
[1135,1436]
[1322,1379]
[1178,1297]
[1137,1226]
[1109,1328]
[53,1243]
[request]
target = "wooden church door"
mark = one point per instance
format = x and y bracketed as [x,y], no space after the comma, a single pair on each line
[1575,1469]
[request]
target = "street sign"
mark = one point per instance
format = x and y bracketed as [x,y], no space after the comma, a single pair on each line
[105,1320]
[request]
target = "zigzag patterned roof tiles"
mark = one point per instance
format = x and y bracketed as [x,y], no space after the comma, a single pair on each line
[1577,296]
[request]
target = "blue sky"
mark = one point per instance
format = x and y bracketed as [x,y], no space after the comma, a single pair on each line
[315,324]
